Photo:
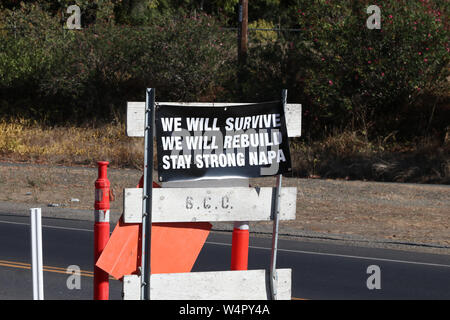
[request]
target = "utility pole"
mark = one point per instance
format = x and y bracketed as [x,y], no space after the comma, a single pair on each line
[243,32]
[239,246]
[242,39]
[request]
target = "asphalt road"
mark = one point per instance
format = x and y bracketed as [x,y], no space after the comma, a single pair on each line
[321,270]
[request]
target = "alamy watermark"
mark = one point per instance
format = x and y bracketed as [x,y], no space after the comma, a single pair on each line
[374,20]
[374,280]
[74,280]
[74,21]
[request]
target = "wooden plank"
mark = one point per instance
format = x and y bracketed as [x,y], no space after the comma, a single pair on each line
[132,205]
[294,119]
[135,119]
[216,285]
[131,287]
[136,111]
[210,204]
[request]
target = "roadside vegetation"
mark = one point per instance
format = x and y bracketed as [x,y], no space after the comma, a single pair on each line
[344,155]
[376,103]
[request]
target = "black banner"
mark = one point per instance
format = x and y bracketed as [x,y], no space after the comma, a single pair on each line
[196,143]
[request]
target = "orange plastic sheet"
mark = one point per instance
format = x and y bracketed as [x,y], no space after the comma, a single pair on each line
[174,248]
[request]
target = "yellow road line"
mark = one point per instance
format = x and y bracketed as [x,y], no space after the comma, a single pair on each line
[45,267]
[22,265]
[15,266]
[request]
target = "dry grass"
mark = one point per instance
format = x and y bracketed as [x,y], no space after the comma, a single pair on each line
[350,156]
[27,141]
[345,155]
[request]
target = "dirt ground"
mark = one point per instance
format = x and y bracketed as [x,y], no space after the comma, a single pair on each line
[413,214]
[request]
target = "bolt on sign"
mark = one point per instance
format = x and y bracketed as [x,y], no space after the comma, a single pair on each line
[196,143]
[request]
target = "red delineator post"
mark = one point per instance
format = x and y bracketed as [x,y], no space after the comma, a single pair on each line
[101,230]
[239,246]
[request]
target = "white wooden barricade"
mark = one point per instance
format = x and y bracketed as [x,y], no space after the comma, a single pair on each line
[211,204]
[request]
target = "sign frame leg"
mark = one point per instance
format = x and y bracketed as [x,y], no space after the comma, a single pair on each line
[276,219]
[147,195]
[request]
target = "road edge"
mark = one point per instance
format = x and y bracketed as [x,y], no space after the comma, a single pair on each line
[256,229]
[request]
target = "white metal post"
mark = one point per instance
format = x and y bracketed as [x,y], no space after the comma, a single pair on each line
[36,254]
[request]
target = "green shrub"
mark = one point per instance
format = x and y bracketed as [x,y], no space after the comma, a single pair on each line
[80,75]
[372,74]
[31,45]
[351,77]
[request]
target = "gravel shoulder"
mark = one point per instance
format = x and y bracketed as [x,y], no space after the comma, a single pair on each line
[404,216]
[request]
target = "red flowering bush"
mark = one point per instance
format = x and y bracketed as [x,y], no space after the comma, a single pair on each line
[367,77]
[351,77]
